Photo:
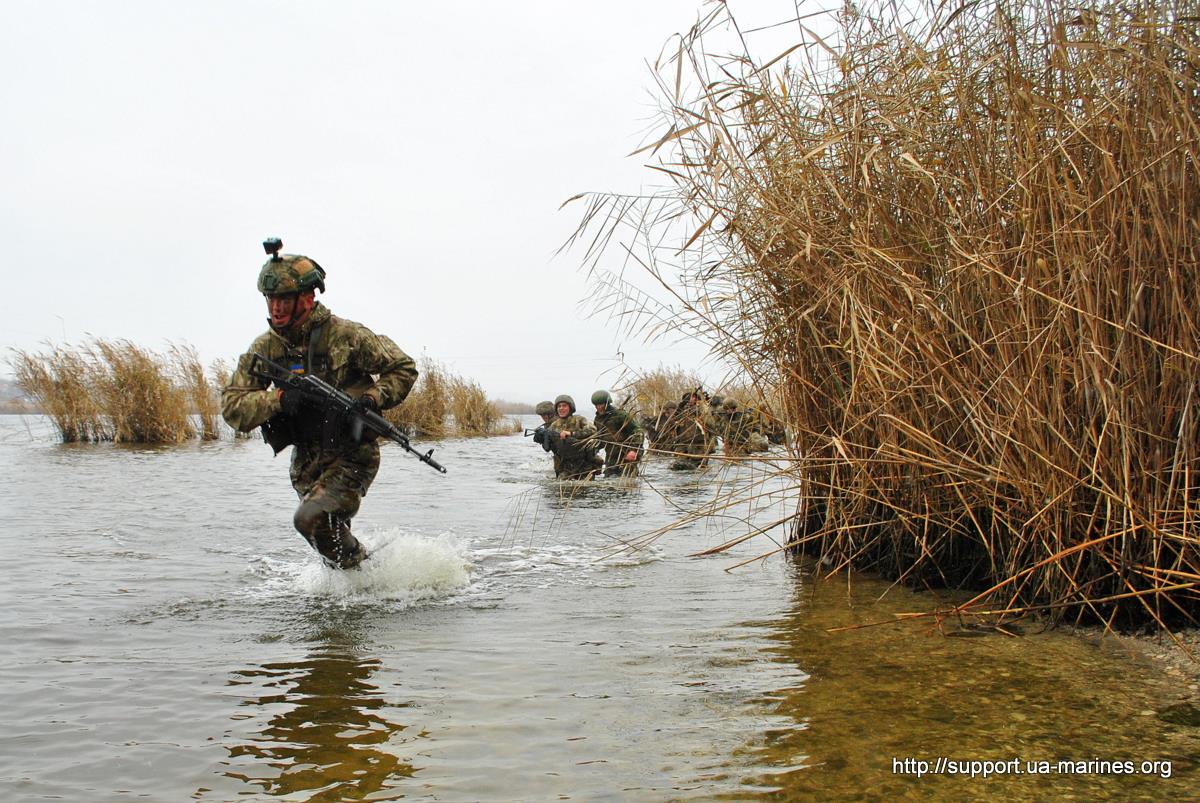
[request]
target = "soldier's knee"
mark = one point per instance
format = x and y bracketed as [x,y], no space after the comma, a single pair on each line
[308,518]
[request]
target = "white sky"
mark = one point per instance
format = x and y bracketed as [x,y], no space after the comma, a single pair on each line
[418,151]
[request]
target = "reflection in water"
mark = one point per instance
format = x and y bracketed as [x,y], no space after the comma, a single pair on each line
[329,734]
[879,695]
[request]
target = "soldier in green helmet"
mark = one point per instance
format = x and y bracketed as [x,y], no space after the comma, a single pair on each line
[620,434]
[574,442]
[546,410]
[331,469]
[541,436]
[692,435]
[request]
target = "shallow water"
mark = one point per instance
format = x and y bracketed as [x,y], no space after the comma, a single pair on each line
[166,635]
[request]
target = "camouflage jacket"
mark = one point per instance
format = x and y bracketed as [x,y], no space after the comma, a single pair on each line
[615,426]
[689,426]
[575,450]
[345,354]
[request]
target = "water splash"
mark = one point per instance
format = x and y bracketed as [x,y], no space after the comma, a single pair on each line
[401,568]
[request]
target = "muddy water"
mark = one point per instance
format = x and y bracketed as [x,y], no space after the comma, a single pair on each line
[166,636]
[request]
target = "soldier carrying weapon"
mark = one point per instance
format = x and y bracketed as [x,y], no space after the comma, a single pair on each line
[331,420]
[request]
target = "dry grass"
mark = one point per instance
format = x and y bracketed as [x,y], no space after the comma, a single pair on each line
[963,245]
[203,393]
[138,394]
[58,381]
[443,404]
[112,390]
[649,391]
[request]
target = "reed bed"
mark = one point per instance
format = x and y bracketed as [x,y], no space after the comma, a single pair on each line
[651,391]
[962,242]
[443,404]
[115,390]
[60,383]
[203,393]
[139,394]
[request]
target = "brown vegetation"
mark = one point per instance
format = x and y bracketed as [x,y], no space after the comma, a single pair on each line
[443,403]
[203,389]
[59,382]
[118,391]
[649,391]
[964,246]
[114,390]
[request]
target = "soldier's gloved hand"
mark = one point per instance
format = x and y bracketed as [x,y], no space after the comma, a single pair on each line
[289,400]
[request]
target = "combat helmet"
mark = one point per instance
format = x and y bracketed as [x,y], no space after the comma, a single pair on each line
[544,408]
[564,398]
[602,397]
[288,273]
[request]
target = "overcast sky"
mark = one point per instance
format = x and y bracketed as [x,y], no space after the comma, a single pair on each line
[418,151]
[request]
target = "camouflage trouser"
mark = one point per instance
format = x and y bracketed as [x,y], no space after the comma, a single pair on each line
[577,464]
[615,464]
[701,450]
[331,485]
[745,444]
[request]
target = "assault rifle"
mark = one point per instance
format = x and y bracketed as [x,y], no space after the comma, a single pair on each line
[321,394]
[551,440]
[539,436]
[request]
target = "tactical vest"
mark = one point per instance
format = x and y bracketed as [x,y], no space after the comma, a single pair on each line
[310,426]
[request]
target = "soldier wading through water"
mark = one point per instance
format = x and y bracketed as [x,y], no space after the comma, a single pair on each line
[573,442]
[331,470]
[620,434]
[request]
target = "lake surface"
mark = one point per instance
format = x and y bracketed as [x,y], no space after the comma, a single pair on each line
[166,635]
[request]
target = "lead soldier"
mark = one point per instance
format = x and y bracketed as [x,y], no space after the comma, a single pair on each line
[332,464]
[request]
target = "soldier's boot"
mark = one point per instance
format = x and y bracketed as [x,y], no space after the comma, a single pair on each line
[342,549]
[329,533]
[354,557]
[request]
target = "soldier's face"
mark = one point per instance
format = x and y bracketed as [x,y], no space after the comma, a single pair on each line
[280,309]
[563,409]
[600,408]
[283,309]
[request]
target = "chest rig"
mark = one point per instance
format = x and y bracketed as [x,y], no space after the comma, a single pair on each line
[311,426]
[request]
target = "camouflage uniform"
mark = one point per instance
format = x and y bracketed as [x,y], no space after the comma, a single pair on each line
[739,429]
[574,458]
[658,427]
[619,433]
[691,431]
[330,472]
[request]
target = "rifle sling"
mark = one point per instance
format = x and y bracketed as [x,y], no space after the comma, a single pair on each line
[314,337]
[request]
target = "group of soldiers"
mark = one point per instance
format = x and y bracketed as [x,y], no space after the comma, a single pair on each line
[615,441]
[611,443]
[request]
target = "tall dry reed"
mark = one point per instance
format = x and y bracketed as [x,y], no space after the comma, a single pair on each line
[59,381]
[962,240]
[473,414]
[443,403]
[139,394]
[114,390]
[651,391]
[203,393]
